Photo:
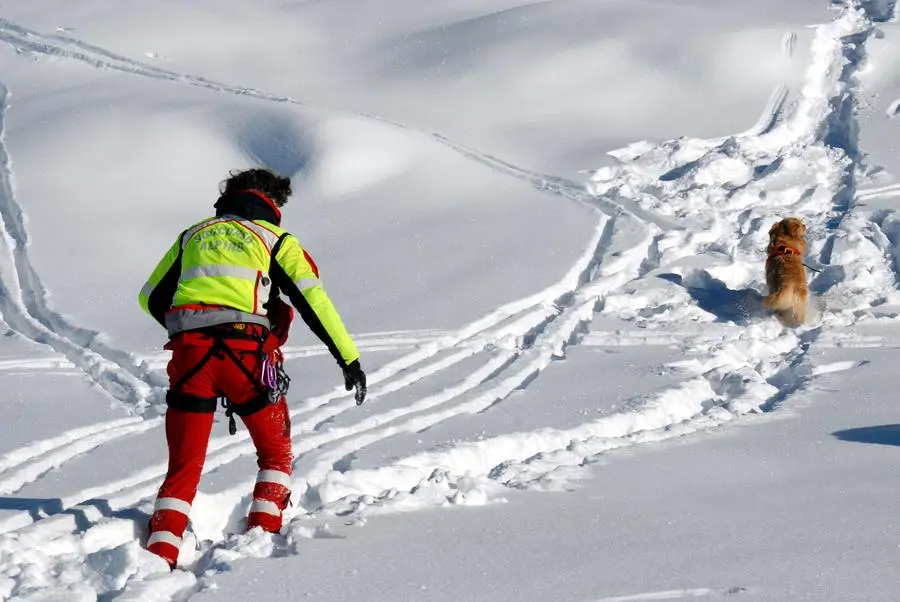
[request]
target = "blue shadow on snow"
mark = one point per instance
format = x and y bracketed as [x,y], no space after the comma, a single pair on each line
[883,434]
[714,296]
[83,513]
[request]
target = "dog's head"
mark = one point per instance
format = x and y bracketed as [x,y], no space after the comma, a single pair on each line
[788,228]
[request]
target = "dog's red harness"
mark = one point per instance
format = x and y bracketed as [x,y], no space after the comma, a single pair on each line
[784,250]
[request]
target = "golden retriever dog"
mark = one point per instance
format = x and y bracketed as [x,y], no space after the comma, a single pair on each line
[785,272]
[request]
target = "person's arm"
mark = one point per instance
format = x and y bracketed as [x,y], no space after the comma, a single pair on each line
[156,296]
[297,276]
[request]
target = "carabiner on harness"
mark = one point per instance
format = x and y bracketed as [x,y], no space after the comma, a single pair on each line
[274,378]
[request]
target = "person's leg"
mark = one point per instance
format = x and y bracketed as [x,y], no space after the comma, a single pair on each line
[269,426]
[189,420]
[270,429]
[187,434]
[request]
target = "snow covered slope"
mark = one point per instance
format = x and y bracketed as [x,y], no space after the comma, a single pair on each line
[525,324]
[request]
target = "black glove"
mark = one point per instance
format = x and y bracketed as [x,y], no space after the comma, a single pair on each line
[355,377]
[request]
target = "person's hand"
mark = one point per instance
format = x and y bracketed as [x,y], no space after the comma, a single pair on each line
[355,377]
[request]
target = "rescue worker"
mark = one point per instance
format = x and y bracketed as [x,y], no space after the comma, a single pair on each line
[216,291]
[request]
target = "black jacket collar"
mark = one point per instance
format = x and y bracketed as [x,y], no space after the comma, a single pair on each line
[248,204]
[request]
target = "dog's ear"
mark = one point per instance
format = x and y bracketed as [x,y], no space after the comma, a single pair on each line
[774,228]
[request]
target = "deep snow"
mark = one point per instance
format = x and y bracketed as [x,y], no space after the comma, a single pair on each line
[545,225]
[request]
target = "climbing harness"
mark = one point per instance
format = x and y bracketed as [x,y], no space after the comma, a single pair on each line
[789,250]
[272,384]
[784,250]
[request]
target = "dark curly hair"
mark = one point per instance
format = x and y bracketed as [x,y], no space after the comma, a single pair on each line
[267,182]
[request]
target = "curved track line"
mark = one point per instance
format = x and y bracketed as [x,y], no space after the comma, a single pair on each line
[875,193]
[373,342]
[786,370]
[771,114]
[673,594]
[25,40]
[34,467]
[110,367]
[566,310]
[510,320]
[33,450]
[23,304]
[554,322]
[560,188]
[546,343]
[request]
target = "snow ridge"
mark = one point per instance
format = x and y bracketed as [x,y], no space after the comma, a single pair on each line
[679,239]
[24,306]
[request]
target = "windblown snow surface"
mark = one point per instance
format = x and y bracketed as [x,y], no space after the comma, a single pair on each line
[545,225]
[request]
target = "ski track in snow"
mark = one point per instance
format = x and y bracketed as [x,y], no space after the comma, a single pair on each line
[879,192]
[675,594]
[685,212]
[24,308]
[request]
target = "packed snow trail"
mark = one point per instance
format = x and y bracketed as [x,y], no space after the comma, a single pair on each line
[680,239]
[717,187]
[723,179]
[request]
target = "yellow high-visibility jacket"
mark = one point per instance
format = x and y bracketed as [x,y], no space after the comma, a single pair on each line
[224,269]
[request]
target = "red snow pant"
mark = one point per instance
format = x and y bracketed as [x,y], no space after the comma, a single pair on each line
[200,371]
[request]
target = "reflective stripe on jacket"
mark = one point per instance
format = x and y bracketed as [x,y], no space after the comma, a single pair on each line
[221,270]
